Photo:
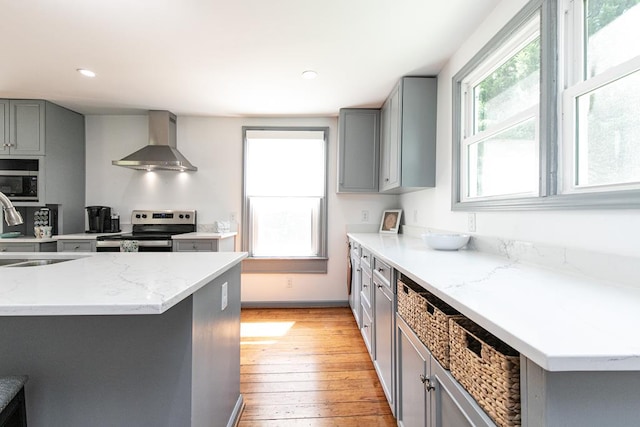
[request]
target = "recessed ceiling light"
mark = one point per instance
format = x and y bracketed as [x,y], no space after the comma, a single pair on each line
[309,75]
[85,72]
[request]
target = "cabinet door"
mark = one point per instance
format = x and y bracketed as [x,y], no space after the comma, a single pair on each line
[356,287]
[359,147]
[367,329]
[451,405]
[413,364]
[4,126]
[390,157]
[26,127]
[384,335]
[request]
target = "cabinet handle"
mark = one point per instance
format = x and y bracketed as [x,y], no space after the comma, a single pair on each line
[357,269]
[380,269]
[365,326]
[386,180]
[427,383]
[76,247]
[364,256]
[365,286]
[379,286]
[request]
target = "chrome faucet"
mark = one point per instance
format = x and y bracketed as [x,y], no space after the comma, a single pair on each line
[11,215]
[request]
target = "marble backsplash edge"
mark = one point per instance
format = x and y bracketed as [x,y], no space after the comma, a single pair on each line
[615,268]
[602,266]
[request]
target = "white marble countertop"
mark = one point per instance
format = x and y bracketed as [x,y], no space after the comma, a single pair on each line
[107,283]
[203,235]
[560,321]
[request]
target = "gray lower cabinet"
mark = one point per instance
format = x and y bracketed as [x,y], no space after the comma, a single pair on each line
[428,396]
[358,152]
[76,245]
[366,302]
[384,302]
[356,282]
[408,136]
[28,247]
[203,245]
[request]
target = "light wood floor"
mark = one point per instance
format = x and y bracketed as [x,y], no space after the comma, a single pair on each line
[308,367]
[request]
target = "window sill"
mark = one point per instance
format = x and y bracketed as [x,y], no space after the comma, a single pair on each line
[285,265]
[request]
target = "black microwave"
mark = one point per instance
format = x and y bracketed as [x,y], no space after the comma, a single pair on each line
[19,179]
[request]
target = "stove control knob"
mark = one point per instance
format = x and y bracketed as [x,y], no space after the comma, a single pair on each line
[180,216]
[188,216]
[144,215]
[138,216]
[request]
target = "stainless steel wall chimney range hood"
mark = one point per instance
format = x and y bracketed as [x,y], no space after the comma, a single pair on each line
[161,152]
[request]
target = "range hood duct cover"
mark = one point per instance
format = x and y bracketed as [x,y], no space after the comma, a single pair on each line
[161,152]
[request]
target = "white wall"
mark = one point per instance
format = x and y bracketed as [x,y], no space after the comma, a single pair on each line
[214,145]
[610,231]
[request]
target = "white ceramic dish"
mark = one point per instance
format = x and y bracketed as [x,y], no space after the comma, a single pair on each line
[445,242]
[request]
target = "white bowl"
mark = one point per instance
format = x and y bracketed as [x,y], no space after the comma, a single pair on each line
[445,242]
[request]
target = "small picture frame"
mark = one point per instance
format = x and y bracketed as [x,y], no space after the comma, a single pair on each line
[390,221]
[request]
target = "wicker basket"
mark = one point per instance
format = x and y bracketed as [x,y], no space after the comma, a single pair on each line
[488,369]
[428,316]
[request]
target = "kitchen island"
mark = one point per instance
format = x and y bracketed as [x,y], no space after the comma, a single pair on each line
[135,339]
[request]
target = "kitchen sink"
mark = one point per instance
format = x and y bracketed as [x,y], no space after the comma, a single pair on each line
[8,262]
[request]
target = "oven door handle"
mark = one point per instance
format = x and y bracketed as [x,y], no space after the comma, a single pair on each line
[141,243]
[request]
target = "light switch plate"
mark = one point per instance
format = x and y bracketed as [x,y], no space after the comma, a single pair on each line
[225,297]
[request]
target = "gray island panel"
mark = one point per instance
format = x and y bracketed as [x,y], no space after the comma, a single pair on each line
[178,368]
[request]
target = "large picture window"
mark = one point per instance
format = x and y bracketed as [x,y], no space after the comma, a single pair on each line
[547,115]
[285,184]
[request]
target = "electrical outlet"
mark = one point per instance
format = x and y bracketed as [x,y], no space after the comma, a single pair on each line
[225,295]
[289,282]
[364,216]
[233,217]
[471,222]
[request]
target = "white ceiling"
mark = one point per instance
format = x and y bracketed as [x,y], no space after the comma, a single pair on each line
[226,58]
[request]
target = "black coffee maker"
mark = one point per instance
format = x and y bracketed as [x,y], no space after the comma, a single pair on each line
[99,219]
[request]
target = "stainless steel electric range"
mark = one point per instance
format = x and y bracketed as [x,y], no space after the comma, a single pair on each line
[152,230]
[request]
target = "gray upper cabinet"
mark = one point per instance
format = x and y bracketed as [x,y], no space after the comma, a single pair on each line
[408,136]
[22,127]
[359,136]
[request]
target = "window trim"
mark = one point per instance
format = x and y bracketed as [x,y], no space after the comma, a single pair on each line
[318,264]
[550,111]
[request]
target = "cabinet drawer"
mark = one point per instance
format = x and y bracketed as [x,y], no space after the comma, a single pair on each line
[195,245]
[73,246]
[383,270]
[367,286]
[366,257]
[19,247]
[355,249]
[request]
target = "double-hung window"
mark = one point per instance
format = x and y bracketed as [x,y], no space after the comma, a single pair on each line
[285,199]
[500,120]
[601,97]
[547,114]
